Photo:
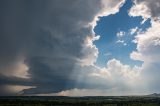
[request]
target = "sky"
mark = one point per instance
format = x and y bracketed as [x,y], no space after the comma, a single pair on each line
[111,45]
[79,47]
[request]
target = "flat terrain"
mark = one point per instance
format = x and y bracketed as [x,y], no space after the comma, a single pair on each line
[80,101]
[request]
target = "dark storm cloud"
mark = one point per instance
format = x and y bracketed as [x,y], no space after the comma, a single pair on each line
[50,35]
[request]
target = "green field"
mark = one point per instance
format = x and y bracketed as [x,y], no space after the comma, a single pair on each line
[80,101]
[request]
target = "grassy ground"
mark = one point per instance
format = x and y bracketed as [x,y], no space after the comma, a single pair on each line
[79,101]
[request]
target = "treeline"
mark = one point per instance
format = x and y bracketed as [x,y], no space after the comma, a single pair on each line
[123,101]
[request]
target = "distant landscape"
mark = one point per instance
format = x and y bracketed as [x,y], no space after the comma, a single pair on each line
[147,100]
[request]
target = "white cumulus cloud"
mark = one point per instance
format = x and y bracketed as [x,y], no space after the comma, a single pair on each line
[148,44]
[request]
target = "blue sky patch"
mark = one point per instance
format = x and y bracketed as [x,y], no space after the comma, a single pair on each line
[109,45]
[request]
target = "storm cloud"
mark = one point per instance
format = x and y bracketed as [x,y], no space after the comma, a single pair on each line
[42,41]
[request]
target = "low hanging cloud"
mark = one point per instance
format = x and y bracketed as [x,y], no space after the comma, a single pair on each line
[48,40]
[114,79]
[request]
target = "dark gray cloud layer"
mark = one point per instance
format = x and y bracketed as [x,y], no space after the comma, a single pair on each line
[50,35]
